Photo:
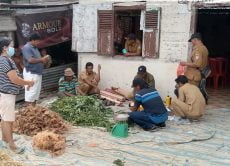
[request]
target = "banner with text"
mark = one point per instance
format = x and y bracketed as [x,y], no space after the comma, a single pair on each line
[54,27]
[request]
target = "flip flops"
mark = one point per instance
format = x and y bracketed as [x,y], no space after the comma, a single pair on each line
[20,150]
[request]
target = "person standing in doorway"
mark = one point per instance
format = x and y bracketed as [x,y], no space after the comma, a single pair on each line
[33,68]
[10,84]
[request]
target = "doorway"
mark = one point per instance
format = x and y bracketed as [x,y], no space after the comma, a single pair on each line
[214,26]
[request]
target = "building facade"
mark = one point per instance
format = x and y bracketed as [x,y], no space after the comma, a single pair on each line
[165,28]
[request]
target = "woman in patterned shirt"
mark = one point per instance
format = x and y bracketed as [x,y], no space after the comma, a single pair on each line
[10,83]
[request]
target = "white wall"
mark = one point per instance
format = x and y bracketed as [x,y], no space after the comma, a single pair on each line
[119,71]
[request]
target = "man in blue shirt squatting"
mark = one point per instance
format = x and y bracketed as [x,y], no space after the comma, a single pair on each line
[154,114]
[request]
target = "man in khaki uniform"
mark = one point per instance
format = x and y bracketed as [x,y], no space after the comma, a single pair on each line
[133,46]
[141,73]
[190,102]
[88,80]
[198,60]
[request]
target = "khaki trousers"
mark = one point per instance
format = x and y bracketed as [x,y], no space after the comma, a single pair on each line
[182,109]
[87,89]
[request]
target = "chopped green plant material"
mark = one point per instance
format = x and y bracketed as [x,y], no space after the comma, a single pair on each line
[118,162]
[84,111]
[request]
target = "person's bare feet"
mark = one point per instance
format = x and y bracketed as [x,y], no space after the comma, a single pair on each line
[16,149]
[12,146]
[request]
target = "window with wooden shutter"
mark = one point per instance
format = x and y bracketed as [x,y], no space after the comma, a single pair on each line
[151,34]
[105,29]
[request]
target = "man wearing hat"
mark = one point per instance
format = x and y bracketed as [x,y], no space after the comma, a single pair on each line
[154,114]
[132,46]
[67,84]
[143,74]
[198,60]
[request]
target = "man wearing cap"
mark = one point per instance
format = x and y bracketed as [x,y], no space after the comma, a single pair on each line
[132,46]
[143,74]
[88,80]
[67,84]
[190,102]
[198,60]
[154,114]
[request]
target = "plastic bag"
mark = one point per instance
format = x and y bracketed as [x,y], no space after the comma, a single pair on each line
[180,70]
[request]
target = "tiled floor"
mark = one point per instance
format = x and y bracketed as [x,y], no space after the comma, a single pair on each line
[219,98]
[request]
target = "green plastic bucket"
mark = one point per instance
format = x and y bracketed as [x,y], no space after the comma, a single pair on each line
[120,130]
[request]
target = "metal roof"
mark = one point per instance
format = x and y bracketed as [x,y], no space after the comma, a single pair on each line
[44,4]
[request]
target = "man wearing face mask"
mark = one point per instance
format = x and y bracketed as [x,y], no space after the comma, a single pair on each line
[33,68]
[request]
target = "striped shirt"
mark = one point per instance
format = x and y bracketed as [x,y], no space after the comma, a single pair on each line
[151,101]
[68,86]
[6,86]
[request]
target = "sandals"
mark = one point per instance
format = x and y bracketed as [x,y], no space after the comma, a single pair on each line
[20,150]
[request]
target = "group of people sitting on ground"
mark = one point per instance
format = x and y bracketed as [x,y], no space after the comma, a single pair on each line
[189,102]
[86,84]
[191,96]
[141,73]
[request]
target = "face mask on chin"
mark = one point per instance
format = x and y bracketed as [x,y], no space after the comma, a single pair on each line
[11,51]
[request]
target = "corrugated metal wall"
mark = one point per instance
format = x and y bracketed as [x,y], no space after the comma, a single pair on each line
[7,23]
[50,78]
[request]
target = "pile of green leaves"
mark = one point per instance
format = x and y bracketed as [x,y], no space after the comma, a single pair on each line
[84,111]
[118,162]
